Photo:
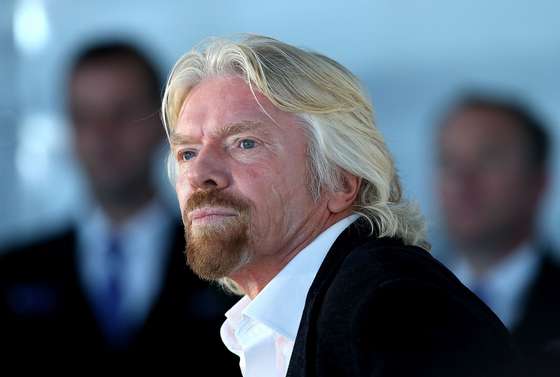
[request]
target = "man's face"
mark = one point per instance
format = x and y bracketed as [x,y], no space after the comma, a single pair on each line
[116,126]
[487,185]
[242,179]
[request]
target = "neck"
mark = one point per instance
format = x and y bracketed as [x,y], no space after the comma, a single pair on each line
[120,211]
[254,276]
[482,257]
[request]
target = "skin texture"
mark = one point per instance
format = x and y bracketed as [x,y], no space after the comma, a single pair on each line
[488,187]
[116,132]
[224,143]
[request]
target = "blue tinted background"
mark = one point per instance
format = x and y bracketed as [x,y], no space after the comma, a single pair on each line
[412,56]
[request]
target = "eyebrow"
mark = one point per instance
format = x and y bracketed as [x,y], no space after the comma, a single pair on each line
[228,130]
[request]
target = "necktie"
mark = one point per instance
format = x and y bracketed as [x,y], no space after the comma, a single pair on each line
[111,317]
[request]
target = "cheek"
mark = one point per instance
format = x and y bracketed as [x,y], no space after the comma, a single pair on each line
[501,186]
[182,192]
[291,194]
[255,185]
[254,174]
[85,140]
[262,186]
[446,198]
[442,186]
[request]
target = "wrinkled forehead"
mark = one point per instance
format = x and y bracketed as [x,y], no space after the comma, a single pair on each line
[228,100]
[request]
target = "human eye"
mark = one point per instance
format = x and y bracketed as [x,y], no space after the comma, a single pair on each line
[186,155]
[247,143]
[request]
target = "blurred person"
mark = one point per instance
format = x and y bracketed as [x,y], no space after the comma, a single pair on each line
[116,282]
[289,196]
[493,174]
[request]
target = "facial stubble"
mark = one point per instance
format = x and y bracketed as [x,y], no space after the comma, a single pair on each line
[214,251]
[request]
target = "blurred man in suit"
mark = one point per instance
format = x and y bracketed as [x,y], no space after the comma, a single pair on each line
[290,196]
[117,281]
[493,174]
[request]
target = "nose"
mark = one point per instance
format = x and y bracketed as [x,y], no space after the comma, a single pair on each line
[463,180]
[208,171]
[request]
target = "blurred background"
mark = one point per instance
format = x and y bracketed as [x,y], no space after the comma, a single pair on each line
[413,57]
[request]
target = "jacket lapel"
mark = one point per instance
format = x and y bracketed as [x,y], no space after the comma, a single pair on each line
[540,318]
[303,352]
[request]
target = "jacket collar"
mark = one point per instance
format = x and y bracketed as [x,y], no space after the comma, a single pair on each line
[356,234]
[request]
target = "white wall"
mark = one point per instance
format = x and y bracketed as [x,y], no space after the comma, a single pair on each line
[411,55]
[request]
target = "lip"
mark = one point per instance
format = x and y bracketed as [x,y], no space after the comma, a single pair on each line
[208,214]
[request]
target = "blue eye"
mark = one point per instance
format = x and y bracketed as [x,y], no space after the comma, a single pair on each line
[247,144]
[186,155]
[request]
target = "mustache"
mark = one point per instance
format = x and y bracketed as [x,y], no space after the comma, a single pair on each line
[215,198]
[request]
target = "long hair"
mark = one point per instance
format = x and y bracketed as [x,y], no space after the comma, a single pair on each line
[334,111]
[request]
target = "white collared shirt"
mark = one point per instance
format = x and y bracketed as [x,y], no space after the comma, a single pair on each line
[506,283]
[262,331]
[145,244]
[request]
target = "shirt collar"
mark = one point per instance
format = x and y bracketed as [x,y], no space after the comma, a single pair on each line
[506,282]
[516,265]
[96,227]
[515,272]
[234,318]
[289,287]
[145,247]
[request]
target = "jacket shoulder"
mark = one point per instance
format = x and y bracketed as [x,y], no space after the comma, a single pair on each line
[394,306]
[378,261]
[378,266]
[40,256]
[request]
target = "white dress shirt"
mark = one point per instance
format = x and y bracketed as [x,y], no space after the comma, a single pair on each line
[145,244]
[505,284]
[262,331]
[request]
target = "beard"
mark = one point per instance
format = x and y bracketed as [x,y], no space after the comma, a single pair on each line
[214,251]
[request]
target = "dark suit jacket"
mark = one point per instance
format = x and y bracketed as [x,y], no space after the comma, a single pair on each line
[538,330]
[44,311]
[380,308]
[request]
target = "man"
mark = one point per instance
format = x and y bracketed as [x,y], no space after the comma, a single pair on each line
[289,195]
[116,282]
[493,175]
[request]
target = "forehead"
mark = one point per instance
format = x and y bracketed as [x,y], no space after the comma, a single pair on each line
[109,78]
[482,127]
[223,100]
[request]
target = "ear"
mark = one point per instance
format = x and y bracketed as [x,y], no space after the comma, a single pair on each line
[344,198]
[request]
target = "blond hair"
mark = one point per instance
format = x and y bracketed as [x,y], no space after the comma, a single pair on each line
[334,111]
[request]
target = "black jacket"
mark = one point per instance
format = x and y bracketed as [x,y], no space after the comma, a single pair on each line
[538,331]
[44,311]
[379,308]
